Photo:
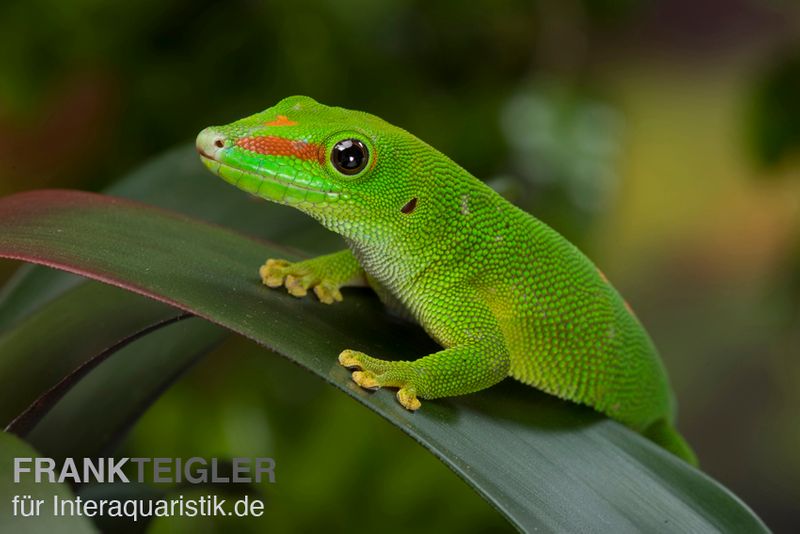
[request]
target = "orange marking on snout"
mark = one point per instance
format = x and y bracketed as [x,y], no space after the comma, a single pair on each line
[279,146]
[281,120]
[602,275]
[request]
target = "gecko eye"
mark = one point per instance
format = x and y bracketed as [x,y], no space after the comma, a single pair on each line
[349,156]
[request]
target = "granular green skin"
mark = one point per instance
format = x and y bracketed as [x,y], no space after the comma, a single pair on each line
[500,291]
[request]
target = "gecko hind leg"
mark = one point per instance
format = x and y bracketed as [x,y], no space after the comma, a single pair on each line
[449,372]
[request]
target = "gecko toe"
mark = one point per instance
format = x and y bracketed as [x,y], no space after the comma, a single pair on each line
[349,358]
[366,380]
[408,398]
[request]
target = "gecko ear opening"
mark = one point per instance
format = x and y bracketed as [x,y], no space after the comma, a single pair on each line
[410,206]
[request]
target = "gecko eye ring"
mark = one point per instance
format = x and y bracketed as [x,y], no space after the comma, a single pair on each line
[349,156]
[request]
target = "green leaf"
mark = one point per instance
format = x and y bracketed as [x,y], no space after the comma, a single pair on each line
[774,112]
[94,415]
[13,447]
[71,321]
[53,347]
[31,287]
[545,464]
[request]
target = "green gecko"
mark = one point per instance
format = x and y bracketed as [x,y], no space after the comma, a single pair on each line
[501,292]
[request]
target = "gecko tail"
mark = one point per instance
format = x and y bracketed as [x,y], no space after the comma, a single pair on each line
[664,434]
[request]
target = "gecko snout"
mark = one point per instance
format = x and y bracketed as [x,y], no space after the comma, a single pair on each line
[209,142]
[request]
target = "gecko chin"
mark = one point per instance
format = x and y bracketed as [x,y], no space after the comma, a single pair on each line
[271,186]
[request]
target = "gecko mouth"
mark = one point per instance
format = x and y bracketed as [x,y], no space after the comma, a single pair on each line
[204,155]
[269,185]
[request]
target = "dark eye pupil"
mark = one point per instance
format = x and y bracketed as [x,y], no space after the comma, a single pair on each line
[349,156]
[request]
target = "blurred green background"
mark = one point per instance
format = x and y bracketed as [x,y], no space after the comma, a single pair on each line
[662,136]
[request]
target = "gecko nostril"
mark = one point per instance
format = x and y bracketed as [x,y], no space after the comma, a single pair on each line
[210,143]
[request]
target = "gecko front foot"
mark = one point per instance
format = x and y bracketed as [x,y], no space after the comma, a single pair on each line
[372,373]
[299,278]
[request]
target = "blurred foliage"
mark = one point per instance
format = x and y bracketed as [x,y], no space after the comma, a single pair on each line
[775,115]
[662,99]
[127,90]
[564,146]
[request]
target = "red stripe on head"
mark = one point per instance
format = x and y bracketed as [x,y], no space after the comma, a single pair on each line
[279,146]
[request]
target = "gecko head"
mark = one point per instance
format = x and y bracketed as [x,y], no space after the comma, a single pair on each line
[345,168]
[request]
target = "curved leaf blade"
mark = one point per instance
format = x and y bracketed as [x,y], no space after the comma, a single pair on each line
[545,464]
[98,411]
[58,339]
